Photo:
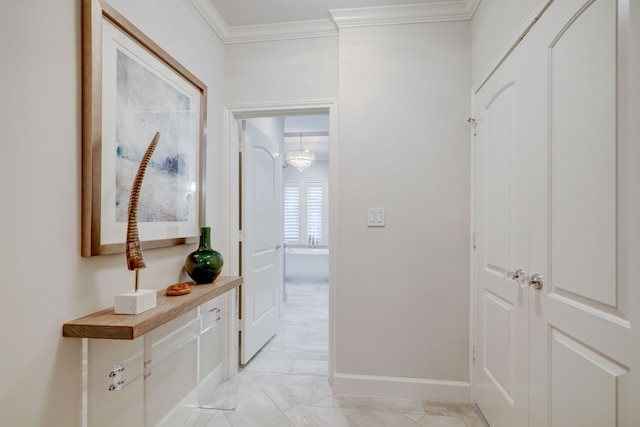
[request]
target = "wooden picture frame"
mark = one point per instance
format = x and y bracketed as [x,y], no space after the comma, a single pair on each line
[132,88]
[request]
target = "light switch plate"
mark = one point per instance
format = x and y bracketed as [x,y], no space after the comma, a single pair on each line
[375,217]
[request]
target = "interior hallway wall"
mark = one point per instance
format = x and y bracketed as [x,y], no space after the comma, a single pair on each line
[403,306]
[281,71]
[45,280]
[402,291]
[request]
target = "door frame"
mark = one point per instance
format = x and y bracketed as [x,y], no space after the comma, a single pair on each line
[231,196]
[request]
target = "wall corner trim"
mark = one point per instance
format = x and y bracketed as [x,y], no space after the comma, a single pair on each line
[212,17]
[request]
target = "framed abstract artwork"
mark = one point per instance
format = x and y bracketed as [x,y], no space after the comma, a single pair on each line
[132,89]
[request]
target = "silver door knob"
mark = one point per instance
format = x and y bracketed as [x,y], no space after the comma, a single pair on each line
[520,276]
[536,281]
[515,276]
[278,246]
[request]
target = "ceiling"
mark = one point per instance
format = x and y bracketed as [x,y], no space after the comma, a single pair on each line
[263,12]
[247,21]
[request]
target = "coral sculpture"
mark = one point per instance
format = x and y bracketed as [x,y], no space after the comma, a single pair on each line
[134,249]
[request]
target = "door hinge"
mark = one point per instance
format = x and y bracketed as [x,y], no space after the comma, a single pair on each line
[240,236]
[474,241]
[473,353]
[474,124]
[240,324]
[241,146]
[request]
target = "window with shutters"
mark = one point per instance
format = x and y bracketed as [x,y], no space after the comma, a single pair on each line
[314,211]
[292,212]
[305,212]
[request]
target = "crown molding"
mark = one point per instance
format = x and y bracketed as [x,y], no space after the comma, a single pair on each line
[212,17]
[460,10]
[284,31]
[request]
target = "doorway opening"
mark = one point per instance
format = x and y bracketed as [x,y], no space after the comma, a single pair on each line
[301,344]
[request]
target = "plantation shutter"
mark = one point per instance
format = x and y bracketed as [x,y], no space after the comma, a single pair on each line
[315,195]
[292,212]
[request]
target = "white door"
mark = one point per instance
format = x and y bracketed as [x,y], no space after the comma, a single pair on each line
[583,209]
[500,307]
[572,79]
[262,229]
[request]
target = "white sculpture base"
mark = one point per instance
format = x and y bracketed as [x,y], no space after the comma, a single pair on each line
[135,302]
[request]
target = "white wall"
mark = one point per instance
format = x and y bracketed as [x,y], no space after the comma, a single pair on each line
[45,280]
[401,88]
[279,71]
[403,305]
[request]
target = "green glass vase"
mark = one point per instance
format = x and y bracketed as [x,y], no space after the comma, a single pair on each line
[204,264]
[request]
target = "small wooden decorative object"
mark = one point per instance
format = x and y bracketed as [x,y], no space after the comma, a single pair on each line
[178,289]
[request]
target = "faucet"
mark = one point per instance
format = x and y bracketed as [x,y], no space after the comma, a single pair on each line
[311,241]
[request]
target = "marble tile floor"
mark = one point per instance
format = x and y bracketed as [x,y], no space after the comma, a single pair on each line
[286,385]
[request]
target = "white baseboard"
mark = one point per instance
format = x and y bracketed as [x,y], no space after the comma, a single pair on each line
[453,391]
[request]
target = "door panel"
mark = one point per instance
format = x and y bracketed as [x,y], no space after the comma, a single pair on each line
[582,70]
[261,223]
[263,215]
[497,189]
[584,385]
[498,343]
[500,368]
[581,334]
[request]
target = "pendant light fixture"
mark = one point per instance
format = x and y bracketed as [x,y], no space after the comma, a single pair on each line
[301,158]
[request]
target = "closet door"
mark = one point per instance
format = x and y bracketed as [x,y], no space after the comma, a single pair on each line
[584,352]
[562,209]
[500,304]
